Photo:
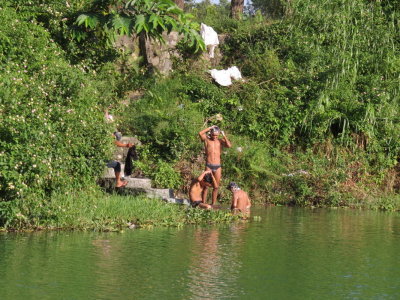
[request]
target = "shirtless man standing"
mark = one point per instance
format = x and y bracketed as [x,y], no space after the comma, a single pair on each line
[213,148]
[240,200]
[205,180]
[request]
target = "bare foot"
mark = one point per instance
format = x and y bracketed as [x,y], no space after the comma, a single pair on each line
[121,184]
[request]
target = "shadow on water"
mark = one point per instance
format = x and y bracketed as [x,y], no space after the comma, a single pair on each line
[291,253]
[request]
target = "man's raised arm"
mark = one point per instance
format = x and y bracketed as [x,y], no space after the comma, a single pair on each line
[202,133]
[200,178]
[225,140]
[120,144]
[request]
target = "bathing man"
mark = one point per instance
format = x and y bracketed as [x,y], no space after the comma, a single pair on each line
[205,180]
[240,200]
[213,148]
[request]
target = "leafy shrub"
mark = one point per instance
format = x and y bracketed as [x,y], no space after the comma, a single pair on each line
[166,176]
[333,72]
[165,122]
[52,134]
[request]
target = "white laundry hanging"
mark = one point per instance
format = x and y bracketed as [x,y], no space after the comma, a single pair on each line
[210,38]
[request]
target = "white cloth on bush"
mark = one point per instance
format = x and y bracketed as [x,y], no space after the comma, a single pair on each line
[224,77]
[210,38]
[235,73]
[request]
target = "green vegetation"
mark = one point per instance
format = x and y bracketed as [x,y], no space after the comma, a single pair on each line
[137,17]
[53,137]
[315,123]
[91,210]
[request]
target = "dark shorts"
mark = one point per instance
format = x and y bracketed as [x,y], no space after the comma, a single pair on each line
[195,203]
[213,167]
[115,165]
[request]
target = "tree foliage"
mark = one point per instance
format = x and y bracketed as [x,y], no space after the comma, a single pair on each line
[147,17]
[52,134]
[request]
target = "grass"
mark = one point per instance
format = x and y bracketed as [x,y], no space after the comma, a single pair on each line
[103,212]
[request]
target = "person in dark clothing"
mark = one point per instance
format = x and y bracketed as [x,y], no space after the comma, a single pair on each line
[131,156]
[116,165]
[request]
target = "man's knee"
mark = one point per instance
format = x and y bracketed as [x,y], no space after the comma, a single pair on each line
[116,165]
[117,168]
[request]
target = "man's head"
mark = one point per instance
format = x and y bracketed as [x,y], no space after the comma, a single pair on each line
[232,186]
[214,132]
[207,180]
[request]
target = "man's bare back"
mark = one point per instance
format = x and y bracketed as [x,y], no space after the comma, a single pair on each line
[240,199]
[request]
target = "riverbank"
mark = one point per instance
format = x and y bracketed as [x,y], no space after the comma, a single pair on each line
[314,123]
[96,211]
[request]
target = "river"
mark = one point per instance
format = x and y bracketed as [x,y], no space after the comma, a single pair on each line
[291,253]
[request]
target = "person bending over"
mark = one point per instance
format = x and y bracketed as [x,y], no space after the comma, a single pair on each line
[213,148]
[116,165]
[240,200]
[197,188]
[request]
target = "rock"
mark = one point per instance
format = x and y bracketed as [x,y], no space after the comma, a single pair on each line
[135,186]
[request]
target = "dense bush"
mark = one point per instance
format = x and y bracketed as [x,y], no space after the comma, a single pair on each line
[322,79]
[315,121]
[52,132]
[332,67]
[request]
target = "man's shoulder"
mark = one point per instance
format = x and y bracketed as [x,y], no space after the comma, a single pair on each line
[242,193]
[195,183]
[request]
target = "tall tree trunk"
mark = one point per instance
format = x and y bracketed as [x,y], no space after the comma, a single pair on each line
[143,48]
[237,9]
[180,3]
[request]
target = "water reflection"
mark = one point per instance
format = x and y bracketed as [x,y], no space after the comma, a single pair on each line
[289,254]
[216,262]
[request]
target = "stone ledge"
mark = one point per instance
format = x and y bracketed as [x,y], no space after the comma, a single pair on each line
[133,188]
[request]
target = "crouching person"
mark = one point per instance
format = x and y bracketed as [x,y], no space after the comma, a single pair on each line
[240,200]
[116,165]
[199,186]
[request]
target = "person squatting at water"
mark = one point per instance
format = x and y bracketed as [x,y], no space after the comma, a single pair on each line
[205,180]
[213,148]
[240,200]
[116,165]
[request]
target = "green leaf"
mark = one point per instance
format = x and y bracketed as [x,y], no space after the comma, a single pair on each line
[121,24]
[140,20]
[81,19]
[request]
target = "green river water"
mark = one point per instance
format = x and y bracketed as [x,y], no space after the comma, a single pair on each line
[291,253]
